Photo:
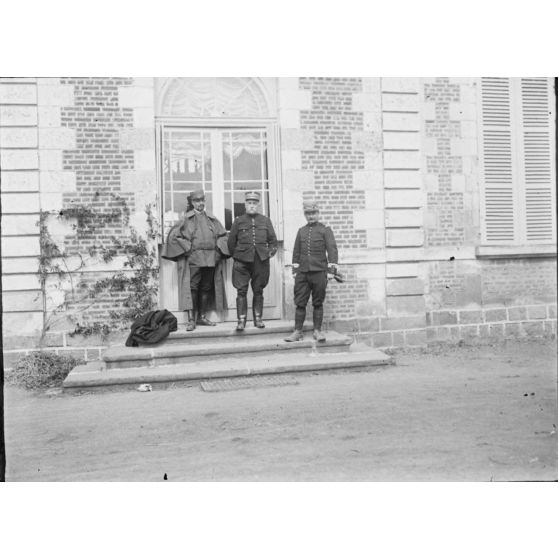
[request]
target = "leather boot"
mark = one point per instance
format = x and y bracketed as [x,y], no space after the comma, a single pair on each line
[257,310]
[193,313]
[241,312]
[318,317]
[191,325]
[297,334]
[202,320]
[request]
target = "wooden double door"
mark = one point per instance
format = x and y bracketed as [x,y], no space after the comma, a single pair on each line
[224,162]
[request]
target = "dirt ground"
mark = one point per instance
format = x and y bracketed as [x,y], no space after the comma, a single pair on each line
[475,413]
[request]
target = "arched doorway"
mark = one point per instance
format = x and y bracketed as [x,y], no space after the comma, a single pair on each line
[220,135]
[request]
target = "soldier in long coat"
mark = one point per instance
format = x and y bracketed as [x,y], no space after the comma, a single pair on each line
[194,245]
[252,242]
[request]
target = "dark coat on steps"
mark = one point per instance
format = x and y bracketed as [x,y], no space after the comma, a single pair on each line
[151,327]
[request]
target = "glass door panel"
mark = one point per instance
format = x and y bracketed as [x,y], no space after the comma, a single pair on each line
[187,166]
[225,163]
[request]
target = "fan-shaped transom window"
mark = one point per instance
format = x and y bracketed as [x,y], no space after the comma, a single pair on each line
[214,98]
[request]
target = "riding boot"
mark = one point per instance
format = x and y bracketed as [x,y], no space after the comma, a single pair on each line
[318,317]
[192,314]
[257,310]
[241,312]
[202,320]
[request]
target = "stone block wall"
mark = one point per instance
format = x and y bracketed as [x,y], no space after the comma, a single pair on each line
[393,162]
[467,290]
[361,158]
[24,189]
[67,142]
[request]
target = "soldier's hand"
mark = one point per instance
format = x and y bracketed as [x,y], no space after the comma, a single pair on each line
[294,269]
[332,269]
[272,252]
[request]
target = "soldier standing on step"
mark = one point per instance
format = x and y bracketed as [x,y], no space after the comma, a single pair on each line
[252,242]
[193,244]
[314,255]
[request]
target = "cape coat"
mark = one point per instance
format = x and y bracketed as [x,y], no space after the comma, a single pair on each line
[179,246]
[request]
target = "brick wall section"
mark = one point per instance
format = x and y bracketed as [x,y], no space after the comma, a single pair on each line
[334,158]
[519,281]
[537,320]
[342,298]
[443,202]
[454,284]
[98,160]
[337,152]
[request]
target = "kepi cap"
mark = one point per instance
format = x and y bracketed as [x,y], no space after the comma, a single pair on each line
[310,206]
[197,194]
[255,196]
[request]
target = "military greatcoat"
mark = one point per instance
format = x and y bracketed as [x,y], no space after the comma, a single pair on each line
[185,241]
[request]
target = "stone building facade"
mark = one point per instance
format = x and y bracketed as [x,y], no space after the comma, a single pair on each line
[441,193]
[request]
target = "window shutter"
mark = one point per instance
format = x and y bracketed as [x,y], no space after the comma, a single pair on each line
[537,150]
[517,160]
[497,161]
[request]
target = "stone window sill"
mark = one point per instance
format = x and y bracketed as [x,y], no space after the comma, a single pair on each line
[523,251]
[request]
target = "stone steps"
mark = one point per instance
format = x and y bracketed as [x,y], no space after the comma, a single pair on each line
[221,352]
[227,334]
[363,358]
[185,352]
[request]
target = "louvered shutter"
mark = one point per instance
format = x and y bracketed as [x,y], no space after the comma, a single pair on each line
[537,148]
[497,161]
[517,161]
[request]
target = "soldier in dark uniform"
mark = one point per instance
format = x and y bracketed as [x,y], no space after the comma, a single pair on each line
[314,255]
[252,242]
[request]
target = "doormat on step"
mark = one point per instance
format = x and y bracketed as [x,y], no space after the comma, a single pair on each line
[227,384]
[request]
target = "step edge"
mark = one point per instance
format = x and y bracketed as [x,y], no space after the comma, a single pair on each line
[100,378]
[203,350]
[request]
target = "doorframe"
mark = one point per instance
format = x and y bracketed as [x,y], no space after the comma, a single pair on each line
[274,172]
[274,156]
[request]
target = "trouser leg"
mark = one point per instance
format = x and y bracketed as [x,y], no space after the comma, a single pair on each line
[318,317]
[241,273]
[193,313]
[319,286]
[195,279]
[259,280]
[206,286]
[318,283]
[302,291]
[300,316]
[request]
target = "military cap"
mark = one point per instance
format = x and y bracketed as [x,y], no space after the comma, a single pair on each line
[255,196]
[310,206]
[197,194]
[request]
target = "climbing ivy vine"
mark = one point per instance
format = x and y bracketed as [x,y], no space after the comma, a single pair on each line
[135,284]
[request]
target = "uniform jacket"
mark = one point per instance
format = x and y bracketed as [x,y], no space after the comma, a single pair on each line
[250,234]
[315,248]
